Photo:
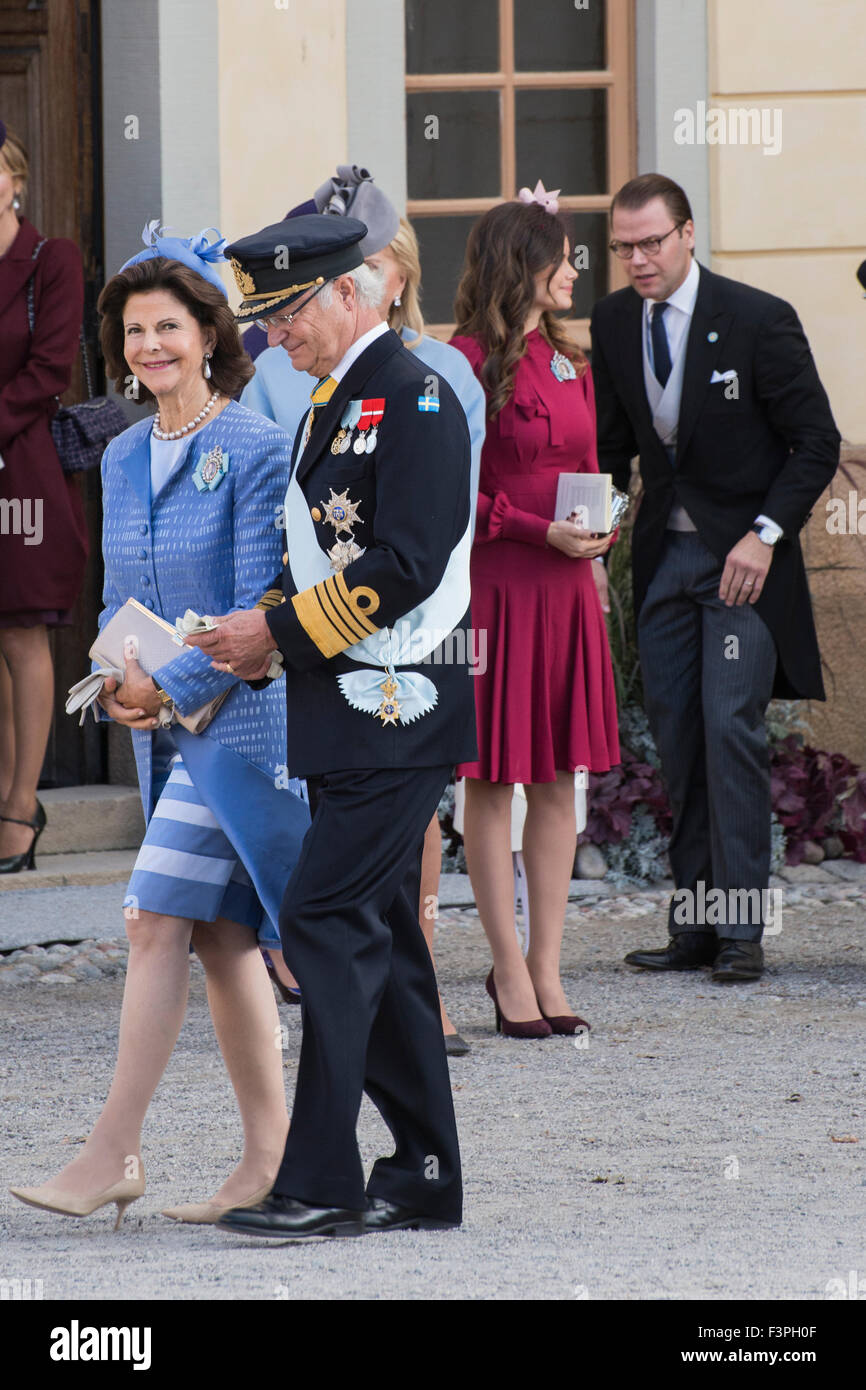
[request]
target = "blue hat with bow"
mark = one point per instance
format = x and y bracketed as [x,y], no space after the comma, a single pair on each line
[199,253]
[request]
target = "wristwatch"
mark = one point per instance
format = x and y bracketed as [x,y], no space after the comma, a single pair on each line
[164,696]
[765,533]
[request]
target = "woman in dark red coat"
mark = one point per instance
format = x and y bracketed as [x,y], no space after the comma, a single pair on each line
[43,541]
[545,703]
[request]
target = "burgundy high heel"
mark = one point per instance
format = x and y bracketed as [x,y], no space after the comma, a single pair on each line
[565,1024]
[532,1028]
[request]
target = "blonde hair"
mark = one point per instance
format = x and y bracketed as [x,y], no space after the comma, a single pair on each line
[13,158]
[404,249]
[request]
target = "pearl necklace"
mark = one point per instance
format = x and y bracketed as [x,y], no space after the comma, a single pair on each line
[178,434]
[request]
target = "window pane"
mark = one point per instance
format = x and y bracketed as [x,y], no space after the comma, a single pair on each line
[452,36]
[562,140]
[452,142]
[588,235]
[554,36]
[443,244]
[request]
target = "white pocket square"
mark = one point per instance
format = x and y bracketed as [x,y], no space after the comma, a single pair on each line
[729,375]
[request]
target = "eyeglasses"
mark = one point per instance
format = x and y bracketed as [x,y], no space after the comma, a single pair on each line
[650,246]
[278,320]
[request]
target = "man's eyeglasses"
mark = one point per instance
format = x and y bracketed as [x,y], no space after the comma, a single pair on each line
[650,246]
[279,320]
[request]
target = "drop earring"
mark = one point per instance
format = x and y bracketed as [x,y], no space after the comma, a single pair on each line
[206,371]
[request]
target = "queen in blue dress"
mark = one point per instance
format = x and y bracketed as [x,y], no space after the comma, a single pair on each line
[191,498]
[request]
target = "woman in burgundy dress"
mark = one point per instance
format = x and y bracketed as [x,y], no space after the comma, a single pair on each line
[545,704]
[43,540]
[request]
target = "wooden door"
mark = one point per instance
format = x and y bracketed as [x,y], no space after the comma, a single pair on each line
[49,71]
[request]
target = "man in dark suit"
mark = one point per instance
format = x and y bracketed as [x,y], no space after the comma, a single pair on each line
[712,383]
[370,615]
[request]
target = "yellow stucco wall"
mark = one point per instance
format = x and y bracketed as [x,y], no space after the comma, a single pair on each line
[794,223]
[282,78]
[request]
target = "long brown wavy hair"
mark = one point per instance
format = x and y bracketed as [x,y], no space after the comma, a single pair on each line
[507,248]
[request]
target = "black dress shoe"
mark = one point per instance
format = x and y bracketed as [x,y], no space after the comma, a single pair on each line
[287,1219]
[387,1216]
[738,960]
[688,950]
[455,1046]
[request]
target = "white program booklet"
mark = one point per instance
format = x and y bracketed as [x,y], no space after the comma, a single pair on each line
[586,499]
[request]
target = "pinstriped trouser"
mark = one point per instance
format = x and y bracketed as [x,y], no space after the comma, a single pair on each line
[708,675]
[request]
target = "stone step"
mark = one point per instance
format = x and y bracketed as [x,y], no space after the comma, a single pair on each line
[88,819]
[63,870]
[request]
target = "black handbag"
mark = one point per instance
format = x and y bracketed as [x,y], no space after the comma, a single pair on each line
[81,432]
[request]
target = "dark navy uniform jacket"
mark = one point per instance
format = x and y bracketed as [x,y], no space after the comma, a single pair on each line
[411,496]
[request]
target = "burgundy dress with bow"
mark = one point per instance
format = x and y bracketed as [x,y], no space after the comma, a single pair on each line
[546,701]
[40,573]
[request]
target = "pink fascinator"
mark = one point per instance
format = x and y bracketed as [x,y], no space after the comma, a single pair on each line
[549,201]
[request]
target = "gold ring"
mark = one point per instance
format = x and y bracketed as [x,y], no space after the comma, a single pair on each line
[229,667]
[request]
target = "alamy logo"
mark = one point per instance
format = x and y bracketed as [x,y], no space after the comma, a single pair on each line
[77,1343]
[735,125]
[17,1290]
[22,517]
[718,907]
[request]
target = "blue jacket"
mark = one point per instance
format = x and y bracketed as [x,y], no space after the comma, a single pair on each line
[212,551]
[283,394]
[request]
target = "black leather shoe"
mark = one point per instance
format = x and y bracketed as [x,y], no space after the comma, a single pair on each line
[287,1219]
[688,950]
[387,1216]
[455,1046]
[738,960]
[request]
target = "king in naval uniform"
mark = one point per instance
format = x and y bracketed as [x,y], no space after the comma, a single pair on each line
[370,616]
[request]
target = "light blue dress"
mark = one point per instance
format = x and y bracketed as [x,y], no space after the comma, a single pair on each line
[283,394]
[224,822]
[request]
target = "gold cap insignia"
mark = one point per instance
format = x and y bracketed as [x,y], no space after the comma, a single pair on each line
[245,282]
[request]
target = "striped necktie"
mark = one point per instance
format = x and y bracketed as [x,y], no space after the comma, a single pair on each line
[320,396]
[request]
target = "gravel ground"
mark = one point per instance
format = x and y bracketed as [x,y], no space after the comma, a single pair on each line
[707,1143]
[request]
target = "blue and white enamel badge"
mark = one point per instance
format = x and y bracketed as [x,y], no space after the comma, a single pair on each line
[210,469]
[401,698]
[562,368]
[426,403]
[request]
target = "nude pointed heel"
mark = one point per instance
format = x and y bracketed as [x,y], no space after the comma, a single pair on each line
[49,1198]
[209,1213]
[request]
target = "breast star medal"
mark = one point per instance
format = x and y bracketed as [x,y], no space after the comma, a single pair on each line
[342,553]
[389,709]
[210,469]
[340,512]
[562,367]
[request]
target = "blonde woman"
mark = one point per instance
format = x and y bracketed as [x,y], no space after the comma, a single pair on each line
[283,394]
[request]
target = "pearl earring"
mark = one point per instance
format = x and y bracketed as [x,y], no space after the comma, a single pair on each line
[206,371]
[397,301]
[16,202]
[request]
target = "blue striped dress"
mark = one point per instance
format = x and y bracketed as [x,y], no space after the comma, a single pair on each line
[224,822]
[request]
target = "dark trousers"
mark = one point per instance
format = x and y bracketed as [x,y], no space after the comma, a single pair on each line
[351,936]
[708,675]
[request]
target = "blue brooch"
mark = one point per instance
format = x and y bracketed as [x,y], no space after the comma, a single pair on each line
[562,368]
[210,469]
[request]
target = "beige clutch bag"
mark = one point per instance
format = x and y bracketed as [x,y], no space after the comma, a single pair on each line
[135,631]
